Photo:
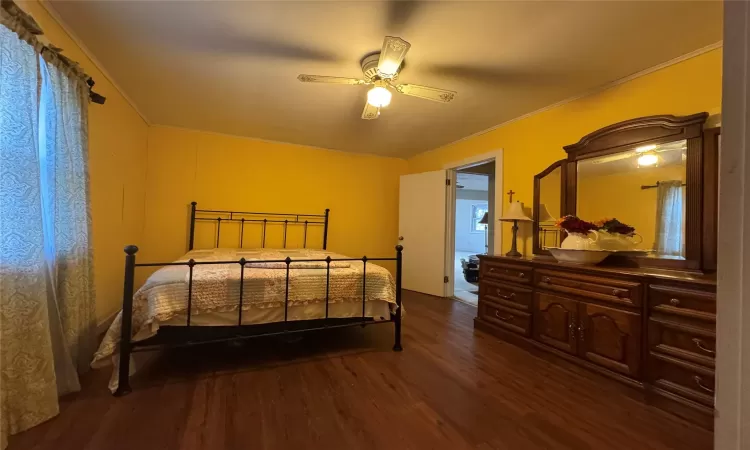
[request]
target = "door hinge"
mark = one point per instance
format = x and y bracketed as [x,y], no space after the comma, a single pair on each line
[445,279]
[447,181]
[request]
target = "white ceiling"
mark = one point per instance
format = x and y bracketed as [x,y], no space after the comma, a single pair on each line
[231,66]
[473,182]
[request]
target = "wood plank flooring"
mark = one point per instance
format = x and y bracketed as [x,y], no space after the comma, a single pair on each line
[451,388]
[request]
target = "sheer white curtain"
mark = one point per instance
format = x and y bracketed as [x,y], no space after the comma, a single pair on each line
[670,213]
[47,301]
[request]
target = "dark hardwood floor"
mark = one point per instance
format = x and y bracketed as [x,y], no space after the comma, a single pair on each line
[451,388]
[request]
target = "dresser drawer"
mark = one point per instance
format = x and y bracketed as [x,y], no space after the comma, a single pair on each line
[683,378]
[505,294]
[496,270]
[510,319]
[604,289]
[682,341]
[688,303]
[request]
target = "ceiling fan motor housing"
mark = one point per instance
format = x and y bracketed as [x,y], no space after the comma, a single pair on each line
[370,67]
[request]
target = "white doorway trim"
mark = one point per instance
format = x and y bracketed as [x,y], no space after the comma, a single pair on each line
[496,197]
[732,423]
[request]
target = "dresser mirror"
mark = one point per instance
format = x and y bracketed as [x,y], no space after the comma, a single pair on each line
[643,187]
[548,206]
[656,174]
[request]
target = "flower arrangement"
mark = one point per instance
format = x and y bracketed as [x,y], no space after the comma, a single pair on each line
[573,224]
[614,226]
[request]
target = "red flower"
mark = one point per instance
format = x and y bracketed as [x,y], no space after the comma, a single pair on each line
[615,226]
[573,224]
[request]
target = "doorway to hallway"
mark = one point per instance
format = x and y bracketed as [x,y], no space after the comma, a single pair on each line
[471,228]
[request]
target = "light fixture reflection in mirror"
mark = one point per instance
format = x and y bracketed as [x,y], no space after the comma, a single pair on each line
[648,159]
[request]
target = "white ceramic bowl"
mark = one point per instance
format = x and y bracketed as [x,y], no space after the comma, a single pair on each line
[581,257]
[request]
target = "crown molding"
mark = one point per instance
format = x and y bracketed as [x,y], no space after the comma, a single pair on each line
[588,93]
[50,8]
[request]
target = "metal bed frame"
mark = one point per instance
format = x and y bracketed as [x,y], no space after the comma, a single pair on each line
[185,336]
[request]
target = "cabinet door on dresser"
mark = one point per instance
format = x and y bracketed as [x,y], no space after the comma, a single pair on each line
[610,338]
[555,321]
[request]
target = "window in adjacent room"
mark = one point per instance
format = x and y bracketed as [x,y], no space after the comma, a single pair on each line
[477,212]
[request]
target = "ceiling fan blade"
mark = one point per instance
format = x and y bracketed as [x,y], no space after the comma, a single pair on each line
[426,92]
[495,75]
[399,13]
[612,158]
[332,80]
[391,56]
[370,112]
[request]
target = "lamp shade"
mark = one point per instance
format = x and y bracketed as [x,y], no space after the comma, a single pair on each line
[515,212]
[485,219]
[544,215]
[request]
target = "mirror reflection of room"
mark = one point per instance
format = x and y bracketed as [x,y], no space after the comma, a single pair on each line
[550,209]
[643,187]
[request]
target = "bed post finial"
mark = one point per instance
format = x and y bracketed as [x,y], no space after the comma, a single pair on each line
[192,224]
[325,230]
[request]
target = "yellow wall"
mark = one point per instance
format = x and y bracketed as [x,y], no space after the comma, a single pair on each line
[117,169]
[532,143]
[620,196]
[362,191]
[225,172]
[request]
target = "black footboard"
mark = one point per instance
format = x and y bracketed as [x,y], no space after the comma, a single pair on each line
[196,335]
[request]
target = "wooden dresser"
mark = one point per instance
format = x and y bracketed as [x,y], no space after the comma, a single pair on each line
[652,329]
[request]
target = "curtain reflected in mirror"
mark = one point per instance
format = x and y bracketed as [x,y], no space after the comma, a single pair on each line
[670,224]
[643,187]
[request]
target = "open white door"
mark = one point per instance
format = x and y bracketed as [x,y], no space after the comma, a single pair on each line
[422,231]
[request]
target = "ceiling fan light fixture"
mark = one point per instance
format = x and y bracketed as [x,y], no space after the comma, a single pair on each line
[647,160]
[379,97]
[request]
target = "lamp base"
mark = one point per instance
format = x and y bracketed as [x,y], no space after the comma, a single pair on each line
[514,253]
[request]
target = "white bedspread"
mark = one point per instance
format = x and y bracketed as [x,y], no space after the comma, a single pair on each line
[216,288]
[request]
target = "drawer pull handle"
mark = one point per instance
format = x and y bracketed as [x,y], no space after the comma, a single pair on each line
[521,275]
[581,333]
[505,296]
[699,382]
[492,269]
[699,343]
[674,302]
[572,327]
[505,318]
[546,279]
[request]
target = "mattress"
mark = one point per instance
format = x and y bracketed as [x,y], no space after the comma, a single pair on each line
[163,299]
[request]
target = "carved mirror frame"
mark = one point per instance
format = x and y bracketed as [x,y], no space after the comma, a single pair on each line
[701,175]
[562,165]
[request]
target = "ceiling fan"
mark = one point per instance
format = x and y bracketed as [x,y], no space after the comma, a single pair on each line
[381,70]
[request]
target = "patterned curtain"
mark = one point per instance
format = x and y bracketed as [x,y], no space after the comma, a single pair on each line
[670,213]
[67,215]
[28,393]
[47,317]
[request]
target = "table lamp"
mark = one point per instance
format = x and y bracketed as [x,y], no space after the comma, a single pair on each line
[514,214]
[546,223]
[544,215]
[484,221]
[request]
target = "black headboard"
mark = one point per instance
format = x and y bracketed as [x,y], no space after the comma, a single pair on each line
[244,217]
